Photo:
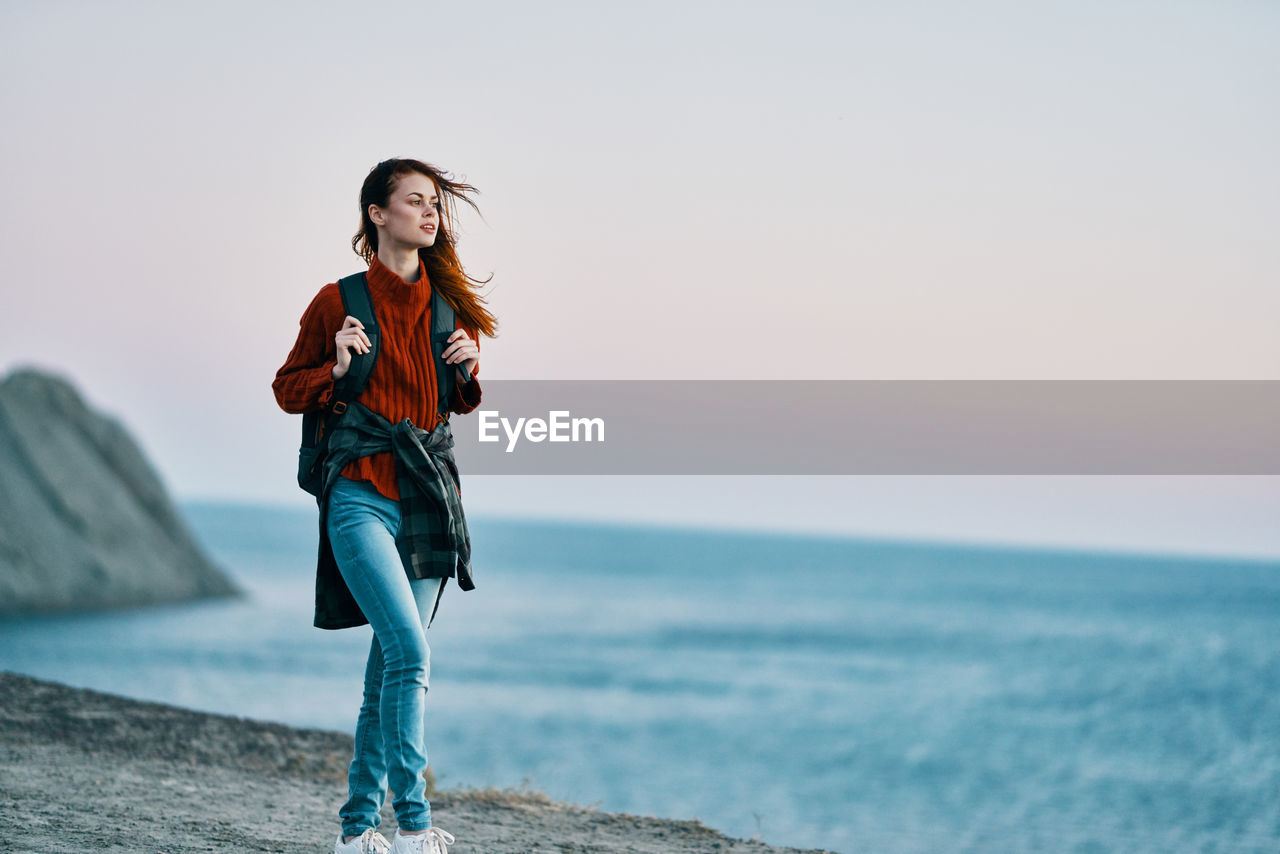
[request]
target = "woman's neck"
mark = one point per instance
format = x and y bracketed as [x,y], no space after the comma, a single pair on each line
[401,260]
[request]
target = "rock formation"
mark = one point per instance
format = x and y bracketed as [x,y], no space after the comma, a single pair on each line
[85,523]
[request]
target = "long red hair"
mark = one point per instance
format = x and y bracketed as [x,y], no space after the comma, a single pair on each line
[441,259]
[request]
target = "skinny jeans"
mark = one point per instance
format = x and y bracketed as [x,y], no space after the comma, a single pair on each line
[364,532]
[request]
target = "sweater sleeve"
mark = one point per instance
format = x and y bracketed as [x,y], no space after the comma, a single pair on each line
[466,396]
[305,381]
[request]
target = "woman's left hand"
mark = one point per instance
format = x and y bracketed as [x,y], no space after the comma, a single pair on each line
[460,350]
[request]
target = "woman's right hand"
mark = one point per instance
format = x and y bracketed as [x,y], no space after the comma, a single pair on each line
[351,335]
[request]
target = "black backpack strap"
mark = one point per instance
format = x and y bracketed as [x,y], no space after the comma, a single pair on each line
[358,303]
[443,323]
[317,425]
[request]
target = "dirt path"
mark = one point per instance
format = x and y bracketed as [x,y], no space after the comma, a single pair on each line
[82,771]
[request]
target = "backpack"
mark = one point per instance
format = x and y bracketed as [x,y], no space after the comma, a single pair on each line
[318,425]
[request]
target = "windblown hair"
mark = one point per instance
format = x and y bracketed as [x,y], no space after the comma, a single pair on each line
[441,259]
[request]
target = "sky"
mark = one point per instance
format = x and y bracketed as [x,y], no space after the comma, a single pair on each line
[692,190]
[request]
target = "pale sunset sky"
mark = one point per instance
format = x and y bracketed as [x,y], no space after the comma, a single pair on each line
[691,190]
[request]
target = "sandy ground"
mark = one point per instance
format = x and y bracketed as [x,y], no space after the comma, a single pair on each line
[83,771]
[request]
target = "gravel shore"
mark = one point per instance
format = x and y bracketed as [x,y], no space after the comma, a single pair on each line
[84,771]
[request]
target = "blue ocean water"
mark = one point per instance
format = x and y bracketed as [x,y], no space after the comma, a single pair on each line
[863,696]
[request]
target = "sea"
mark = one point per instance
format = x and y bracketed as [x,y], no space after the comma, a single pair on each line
[857,695]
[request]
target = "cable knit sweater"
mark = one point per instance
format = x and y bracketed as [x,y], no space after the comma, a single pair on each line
[403,382]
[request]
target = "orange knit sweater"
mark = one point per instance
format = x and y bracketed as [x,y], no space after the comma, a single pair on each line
[403,382]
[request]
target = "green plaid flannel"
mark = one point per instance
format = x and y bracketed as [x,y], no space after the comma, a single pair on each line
[430,505]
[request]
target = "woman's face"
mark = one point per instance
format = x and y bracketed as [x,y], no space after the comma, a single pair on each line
[412,214]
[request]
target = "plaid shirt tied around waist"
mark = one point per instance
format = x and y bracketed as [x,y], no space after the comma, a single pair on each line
[432,521]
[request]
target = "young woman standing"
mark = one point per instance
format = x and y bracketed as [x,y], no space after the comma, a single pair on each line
[382,576]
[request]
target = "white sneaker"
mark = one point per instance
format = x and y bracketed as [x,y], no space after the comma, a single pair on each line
[369,842]
[431,842]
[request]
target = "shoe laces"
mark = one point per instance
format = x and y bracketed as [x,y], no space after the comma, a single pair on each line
[433,841]
[373,842]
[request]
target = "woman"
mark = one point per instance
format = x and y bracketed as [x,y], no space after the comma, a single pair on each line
[406,209]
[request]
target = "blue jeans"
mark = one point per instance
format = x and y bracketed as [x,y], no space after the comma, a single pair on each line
[364,528]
